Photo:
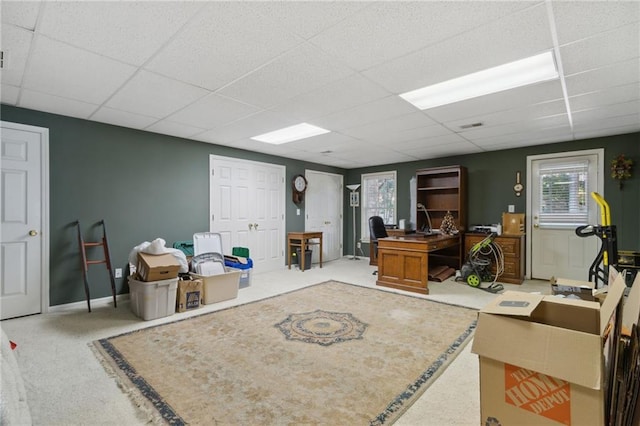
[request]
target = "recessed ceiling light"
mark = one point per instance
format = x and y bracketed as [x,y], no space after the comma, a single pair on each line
[526,71]
[290,134]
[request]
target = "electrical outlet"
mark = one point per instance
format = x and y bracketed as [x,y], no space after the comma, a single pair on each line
[512,208]
[298,212]
[118,273]
[359,244]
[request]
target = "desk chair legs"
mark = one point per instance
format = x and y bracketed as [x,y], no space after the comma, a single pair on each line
[86,262]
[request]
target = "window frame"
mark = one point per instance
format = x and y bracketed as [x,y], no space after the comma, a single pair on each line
[364,215]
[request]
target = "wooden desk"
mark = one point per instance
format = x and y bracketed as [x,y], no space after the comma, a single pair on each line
[403,262]
[301,239]
[373,258]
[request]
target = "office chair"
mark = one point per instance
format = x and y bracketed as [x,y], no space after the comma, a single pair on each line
[376,230]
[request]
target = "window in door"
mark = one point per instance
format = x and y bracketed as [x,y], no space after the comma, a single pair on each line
[564,191]
[378,198]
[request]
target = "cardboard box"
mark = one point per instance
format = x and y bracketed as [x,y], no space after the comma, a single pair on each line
[546,360]
[156,267]
[513,223]
[573,289]
[152,299]
[219,287]
[190,294]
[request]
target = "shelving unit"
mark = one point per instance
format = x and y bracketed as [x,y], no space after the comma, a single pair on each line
[442,190]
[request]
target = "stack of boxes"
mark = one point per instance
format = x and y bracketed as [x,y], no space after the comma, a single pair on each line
[153,287]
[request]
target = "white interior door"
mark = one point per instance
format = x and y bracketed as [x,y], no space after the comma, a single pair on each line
[558,202]
[24,252]
[323,212]
[247,209]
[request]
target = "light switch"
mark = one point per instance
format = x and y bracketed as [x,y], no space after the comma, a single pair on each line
[512,208]
[298,212]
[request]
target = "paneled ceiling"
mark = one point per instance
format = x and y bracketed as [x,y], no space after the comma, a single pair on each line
[222,72]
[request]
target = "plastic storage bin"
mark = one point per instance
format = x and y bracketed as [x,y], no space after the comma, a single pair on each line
[153,299]
[244,268]
[207,242]
[219,287]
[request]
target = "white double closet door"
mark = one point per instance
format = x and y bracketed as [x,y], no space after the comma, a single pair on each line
[247,205]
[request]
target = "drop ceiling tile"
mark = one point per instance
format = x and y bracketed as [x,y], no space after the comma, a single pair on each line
[154,95]
[576,20]
[16,43]
[20,13]
[601,50]
[128,31]
[518,127]
[9,94]
[121,118]
[606,118]
[225,42]
[615,110]
[299,71]
[399,28]
[502,101]
[253,125]
[517,140]
[317,144]
[409,146]
[91,79]
[609,96]
[167,127]
[601,132]
[333,97]
[459,148]
[213,111]
[56,104]
[390,127]
[521,35]
[620,74]
[370,112]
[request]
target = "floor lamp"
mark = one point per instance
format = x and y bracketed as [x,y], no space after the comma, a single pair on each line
[354,201]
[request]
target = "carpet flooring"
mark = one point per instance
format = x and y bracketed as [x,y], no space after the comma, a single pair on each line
[331,353]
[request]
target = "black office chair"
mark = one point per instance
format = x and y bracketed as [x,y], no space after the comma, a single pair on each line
[376,230]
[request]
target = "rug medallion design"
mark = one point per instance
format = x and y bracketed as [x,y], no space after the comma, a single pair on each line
[322,327]
[327,354]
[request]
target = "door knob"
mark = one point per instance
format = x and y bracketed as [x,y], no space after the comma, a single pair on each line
[535,225]
[255,225]
[250,226]
[33,233]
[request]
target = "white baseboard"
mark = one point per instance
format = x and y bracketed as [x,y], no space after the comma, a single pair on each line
[103,301]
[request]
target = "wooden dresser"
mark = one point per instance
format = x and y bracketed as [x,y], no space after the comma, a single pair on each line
[514,255]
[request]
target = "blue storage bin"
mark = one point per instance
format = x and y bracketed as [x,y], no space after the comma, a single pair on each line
[244,268]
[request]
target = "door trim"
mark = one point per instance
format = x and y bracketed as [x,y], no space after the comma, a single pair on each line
[44,213]
[599,152]
[309,176]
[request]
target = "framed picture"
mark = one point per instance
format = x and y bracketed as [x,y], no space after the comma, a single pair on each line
[354,201]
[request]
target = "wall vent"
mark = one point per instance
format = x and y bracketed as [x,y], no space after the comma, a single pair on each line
[469,126]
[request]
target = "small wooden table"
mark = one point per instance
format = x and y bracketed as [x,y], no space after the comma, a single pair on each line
[301,239]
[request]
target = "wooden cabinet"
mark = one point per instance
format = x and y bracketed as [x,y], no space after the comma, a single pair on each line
[513,251]
[443,190]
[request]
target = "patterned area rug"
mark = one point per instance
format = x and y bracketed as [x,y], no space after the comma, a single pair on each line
[332,353]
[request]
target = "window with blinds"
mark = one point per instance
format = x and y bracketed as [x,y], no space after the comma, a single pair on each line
[564,194]
[378,197]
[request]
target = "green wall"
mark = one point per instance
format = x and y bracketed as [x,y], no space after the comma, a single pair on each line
[147,185]
[491,176]
[144,185]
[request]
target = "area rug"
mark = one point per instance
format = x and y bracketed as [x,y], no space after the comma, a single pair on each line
[332,353]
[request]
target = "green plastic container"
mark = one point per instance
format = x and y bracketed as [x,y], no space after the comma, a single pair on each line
[240,251]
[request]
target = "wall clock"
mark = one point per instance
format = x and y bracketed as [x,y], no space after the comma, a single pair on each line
[299,186]
[518,187]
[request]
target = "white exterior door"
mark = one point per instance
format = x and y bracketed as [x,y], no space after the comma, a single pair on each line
[558,202]
[323,212]
[24,254]
[247,209]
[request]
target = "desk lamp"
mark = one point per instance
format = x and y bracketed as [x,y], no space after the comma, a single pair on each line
[424,209]
[354,201]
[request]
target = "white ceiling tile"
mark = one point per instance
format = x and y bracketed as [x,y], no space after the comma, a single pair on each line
[536,125]
[458,148]
[576,20]
[56,104]
[615,110]
[9,94]
[62,70]
[390,127]
[154,95]
[334,97]
[601,50]
[16,43]
[501,101]
[21,13]
[225,42]
[253,125]
[583,123]
[121,118]
[604,78]
[517,140]
[317,144]
[298,71]
[399,28]
[167,127]
[370,112]
[129,31]
[213,111]
[427,142]
[523,34]
[600,132]
[608,96]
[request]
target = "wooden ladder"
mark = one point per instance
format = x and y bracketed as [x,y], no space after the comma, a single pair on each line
[86,262]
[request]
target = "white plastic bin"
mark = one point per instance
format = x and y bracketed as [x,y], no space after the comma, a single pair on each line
[219,287]
[207,242]
[153,299]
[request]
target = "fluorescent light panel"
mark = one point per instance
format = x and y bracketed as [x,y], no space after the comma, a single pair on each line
[526,71]
[290,134]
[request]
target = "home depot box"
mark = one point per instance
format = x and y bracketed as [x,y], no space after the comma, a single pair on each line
[545,360]
[219,287]
[156,267]
[189,295]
